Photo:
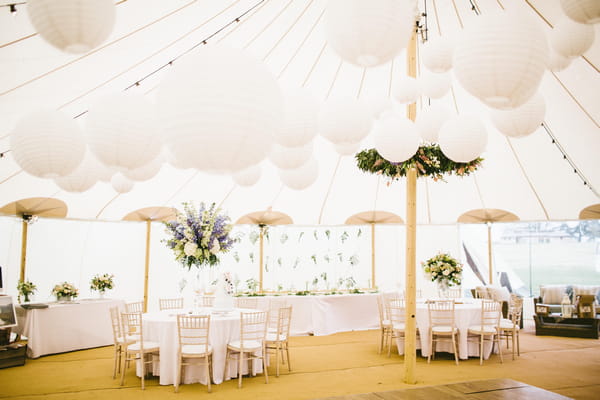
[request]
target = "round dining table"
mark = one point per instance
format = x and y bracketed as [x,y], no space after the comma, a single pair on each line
[161,327]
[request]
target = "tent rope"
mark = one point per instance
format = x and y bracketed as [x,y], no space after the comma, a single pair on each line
[329,189]
[288,30]
[267,25]
[106,205]
[312,68]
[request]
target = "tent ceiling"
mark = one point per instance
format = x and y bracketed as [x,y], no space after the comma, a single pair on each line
[375,217]
[40,206]
[528,177]
[591,212]
[483,215]
[151,214]
[267,217]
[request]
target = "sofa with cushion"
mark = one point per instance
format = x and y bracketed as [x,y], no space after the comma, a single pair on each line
[552,295]
[498,293]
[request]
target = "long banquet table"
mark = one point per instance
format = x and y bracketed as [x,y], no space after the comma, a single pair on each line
[65,327]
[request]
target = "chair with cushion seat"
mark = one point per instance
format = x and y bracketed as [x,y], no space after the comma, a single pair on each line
[277,341]
[192,331]
[455,293]
[247,302]
[251,345]
[119,339]
[137,306]
[141,350]
[274,306]
[489,327]
[170,304]
[509,327]
[396,310]
[442,326]
[208,301]
[385,325]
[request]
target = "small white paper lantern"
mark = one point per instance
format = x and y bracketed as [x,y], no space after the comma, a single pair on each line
[463,138]
[434,85]
[300,178]
[436,54]
[145,172]
[83,177]
[221,108]
[378,105]
[344,120]
[558,62]
[430,120]
[501,58]
[571,39]
[346,149]
[522,120]
[406,90]
[73,26]
[301,119]
[290,157]
[123,131]
[368,33]
[47,144]
[248,176]
[120,183]
[396,138]
[582,11]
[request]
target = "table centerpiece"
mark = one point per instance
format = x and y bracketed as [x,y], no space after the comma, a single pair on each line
[65,292]
[101,283]
[445,270]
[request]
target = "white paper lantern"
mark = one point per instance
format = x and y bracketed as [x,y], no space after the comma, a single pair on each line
[290,157]
[248,176]
[368,33]
[301,119]
[571,39]
[501,58]
[346,149]
[123,131]
[522,120]
[145,172]
[430,120]
[436,54]
[463,138]
[120,183]
[558,62]
[396,138]
[344,120]
[83,177]
[47,144]
[582,11]
[434,85]
[300,178]
[406,90]
[74,26]
[221,108]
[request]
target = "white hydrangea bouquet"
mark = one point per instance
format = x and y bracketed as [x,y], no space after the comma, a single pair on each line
[101,283]
[65,290]
[443,269]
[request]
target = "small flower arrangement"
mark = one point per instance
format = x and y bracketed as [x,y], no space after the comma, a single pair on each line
[26,289]
[65,289]
[443,269]
[101,283]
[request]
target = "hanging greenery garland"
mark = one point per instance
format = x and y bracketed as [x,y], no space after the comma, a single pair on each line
[429,160]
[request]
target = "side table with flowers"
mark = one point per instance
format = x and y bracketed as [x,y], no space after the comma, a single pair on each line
[25,289]
[102,283]
[445,270]
[65,292]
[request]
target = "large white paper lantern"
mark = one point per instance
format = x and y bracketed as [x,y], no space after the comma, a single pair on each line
[430,120]
[396,138]
[558,62]
[290,157]
[74,26]
[406,90]
[47,144]
[300,178]
[378,105]
[434,85]
[463,138]
[221,108]
[300,121]
[571,39]
[582,11]
[522,120]
[123,131]
[346,149]
[146,171]
[248,176]
[344,120]
[436,54]
[120,183]
[83,177]
[368,33]
[501,58]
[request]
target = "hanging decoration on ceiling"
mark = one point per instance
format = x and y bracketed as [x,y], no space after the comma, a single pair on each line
[582,11]
[428,161]
[571,39]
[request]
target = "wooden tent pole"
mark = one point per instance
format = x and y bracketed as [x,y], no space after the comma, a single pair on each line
[490,266]
[260,258]
[23,249]
[147,264]
[373,285]
[410,339]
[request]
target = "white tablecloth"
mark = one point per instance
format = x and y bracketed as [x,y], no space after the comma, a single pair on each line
[67,327]
[161,327]
[467,313]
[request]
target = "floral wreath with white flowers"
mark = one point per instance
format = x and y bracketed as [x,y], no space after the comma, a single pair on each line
[443,268]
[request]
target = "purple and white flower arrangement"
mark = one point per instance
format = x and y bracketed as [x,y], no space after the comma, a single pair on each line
[199,235]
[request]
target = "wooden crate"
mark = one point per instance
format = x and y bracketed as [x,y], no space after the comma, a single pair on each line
[13,355]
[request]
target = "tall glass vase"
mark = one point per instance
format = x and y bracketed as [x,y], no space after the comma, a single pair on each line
[443,289]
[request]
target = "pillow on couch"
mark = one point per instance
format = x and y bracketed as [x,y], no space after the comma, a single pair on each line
[552,294]
[587,289]
[498,293]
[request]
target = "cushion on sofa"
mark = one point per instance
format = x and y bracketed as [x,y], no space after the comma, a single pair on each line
[498,293]
[586,289]
[552,294]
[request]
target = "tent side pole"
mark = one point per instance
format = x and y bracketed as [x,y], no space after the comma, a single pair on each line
[23,250]
[147,264]
[490,266]
[373,285]
[260,259]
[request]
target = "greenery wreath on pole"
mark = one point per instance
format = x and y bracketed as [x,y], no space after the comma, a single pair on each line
[429,160]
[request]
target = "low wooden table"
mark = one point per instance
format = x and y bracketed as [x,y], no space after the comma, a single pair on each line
[556,325]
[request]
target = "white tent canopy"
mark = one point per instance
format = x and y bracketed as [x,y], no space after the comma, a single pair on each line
[539,177]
